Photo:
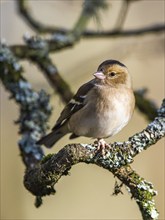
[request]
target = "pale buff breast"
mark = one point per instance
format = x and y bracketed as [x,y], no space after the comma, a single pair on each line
[104,115]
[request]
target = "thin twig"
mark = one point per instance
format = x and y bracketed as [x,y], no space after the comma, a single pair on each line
[25,12]
[122,15]
[126,33]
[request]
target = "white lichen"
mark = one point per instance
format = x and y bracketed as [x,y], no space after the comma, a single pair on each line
[154,213]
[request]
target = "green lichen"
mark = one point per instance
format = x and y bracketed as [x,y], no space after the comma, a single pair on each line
[144,197]
[46,158]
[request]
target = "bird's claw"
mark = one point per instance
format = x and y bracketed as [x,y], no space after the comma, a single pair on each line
[102,146]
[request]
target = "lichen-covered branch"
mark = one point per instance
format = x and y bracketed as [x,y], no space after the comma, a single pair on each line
[34,107]
[34,113]
[41,177]
[37,51]
[41,180]
[141,190]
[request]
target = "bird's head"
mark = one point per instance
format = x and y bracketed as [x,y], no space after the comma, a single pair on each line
[113,73]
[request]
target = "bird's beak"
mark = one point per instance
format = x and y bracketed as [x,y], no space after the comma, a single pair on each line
[99,75]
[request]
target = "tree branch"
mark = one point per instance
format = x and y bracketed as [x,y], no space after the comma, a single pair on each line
[25,12]
[34,107]
[146,106]
[122,15]
[40,180]
[41,176]
[126,33]
[90,9]
[41,48]
[37,51]
[44,172]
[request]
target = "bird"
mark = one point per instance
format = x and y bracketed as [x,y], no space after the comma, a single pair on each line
[99,109]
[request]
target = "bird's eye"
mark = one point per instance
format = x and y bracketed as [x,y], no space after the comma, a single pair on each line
[112,74]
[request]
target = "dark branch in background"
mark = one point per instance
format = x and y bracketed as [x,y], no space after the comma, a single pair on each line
[25,12]
[127,33]
[59,42]
[145,105]
[122,15]
[90,9]
[41,180]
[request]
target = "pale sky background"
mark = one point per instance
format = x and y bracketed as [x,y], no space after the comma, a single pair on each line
[87,192]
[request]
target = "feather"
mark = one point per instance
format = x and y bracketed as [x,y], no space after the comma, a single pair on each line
[76,103]
[50,139]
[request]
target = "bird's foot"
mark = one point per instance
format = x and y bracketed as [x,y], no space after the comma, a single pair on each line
[102,146]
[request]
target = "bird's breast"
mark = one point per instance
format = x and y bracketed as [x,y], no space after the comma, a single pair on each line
[103,115]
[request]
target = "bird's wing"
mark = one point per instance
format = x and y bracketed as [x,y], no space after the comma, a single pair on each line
[75,104]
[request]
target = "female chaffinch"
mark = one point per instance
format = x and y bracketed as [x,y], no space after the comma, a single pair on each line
[99,109]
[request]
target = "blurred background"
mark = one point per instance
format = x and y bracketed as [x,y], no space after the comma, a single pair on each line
[87,192]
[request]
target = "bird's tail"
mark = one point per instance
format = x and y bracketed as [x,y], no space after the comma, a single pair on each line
[50,139]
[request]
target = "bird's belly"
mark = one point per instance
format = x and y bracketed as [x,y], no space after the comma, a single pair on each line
[100,123]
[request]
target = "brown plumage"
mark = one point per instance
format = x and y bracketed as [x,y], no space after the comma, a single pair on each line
[99,109]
